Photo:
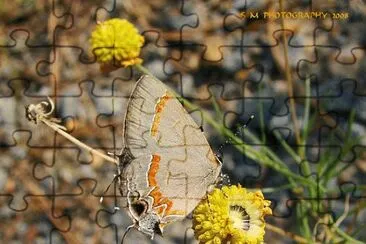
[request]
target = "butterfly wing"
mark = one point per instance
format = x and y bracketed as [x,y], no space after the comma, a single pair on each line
[172,160]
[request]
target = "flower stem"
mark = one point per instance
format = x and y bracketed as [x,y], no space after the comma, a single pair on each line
[142,69]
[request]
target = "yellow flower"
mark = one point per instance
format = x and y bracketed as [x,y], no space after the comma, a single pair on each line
[117,41]
[231,215]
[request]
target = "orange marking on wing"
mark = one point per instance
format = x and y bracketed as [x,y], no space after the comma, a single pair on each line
[178,212]
[159,200]
[158,110]
[156,194]
[153,170]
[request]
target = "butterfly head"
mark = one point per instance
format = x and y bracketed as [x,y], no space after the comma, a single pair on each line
[146,220]
[149,224]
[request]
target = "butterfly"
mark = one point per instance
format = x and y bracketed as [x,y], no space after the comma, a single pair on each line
[166,166]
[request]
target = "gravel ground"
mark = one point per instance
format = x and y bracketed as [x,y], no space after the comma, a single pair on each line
[50,190]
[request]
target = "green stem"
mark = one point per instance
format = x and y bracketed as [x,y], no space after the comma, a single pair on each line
[306,118]
[219,114]
[217,108]
[142,69]
[305,164]
[275,189]
[303,220]
[347,237]
[287,147]
[349,143]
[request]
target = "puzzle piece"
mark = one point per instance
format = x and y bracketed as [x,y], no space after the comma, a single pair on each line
[36,205]
[50,189]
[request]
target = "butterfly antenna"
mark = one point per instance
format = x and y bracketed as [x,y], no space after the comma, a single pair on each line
[106,190]
[186,234]
[236,133]
[248,121]
[116,176]
[125,234]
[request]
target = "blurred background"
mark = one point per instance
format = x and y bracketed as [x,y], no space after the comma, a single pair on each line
[204,50]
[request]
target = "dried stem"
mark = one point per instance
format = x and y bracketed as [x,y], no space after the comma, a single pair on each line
[41,112]
[79,143]
[290,235]
[345,213]
[289,80]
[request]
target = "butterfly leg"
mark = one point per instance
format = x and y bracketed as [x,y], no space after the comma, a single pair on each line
[163,206]
[149,198]
[130,191]
[127,230]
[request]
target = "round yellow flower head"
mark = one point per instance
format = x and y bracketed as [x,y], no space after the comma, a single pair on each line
[231,215]
[117,41]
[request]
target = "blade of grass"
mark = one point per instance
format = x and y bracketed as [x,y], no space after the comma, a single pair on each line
[218,112]
[305,167]
[287,147]
[348,238]
[332,169]
[326,157]
[269,152]
[359,229]
[276,189]
[302,219]
[306,117]
[216,106]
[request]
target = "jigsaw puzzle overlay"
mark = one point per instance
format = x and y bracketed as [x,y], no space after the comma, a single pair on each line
[297,66]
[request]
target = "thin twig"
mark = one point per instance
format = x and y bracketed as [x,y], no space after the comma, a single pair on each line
[42,111]
[345,213]
[78,143]
[325,233]
[290,235]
